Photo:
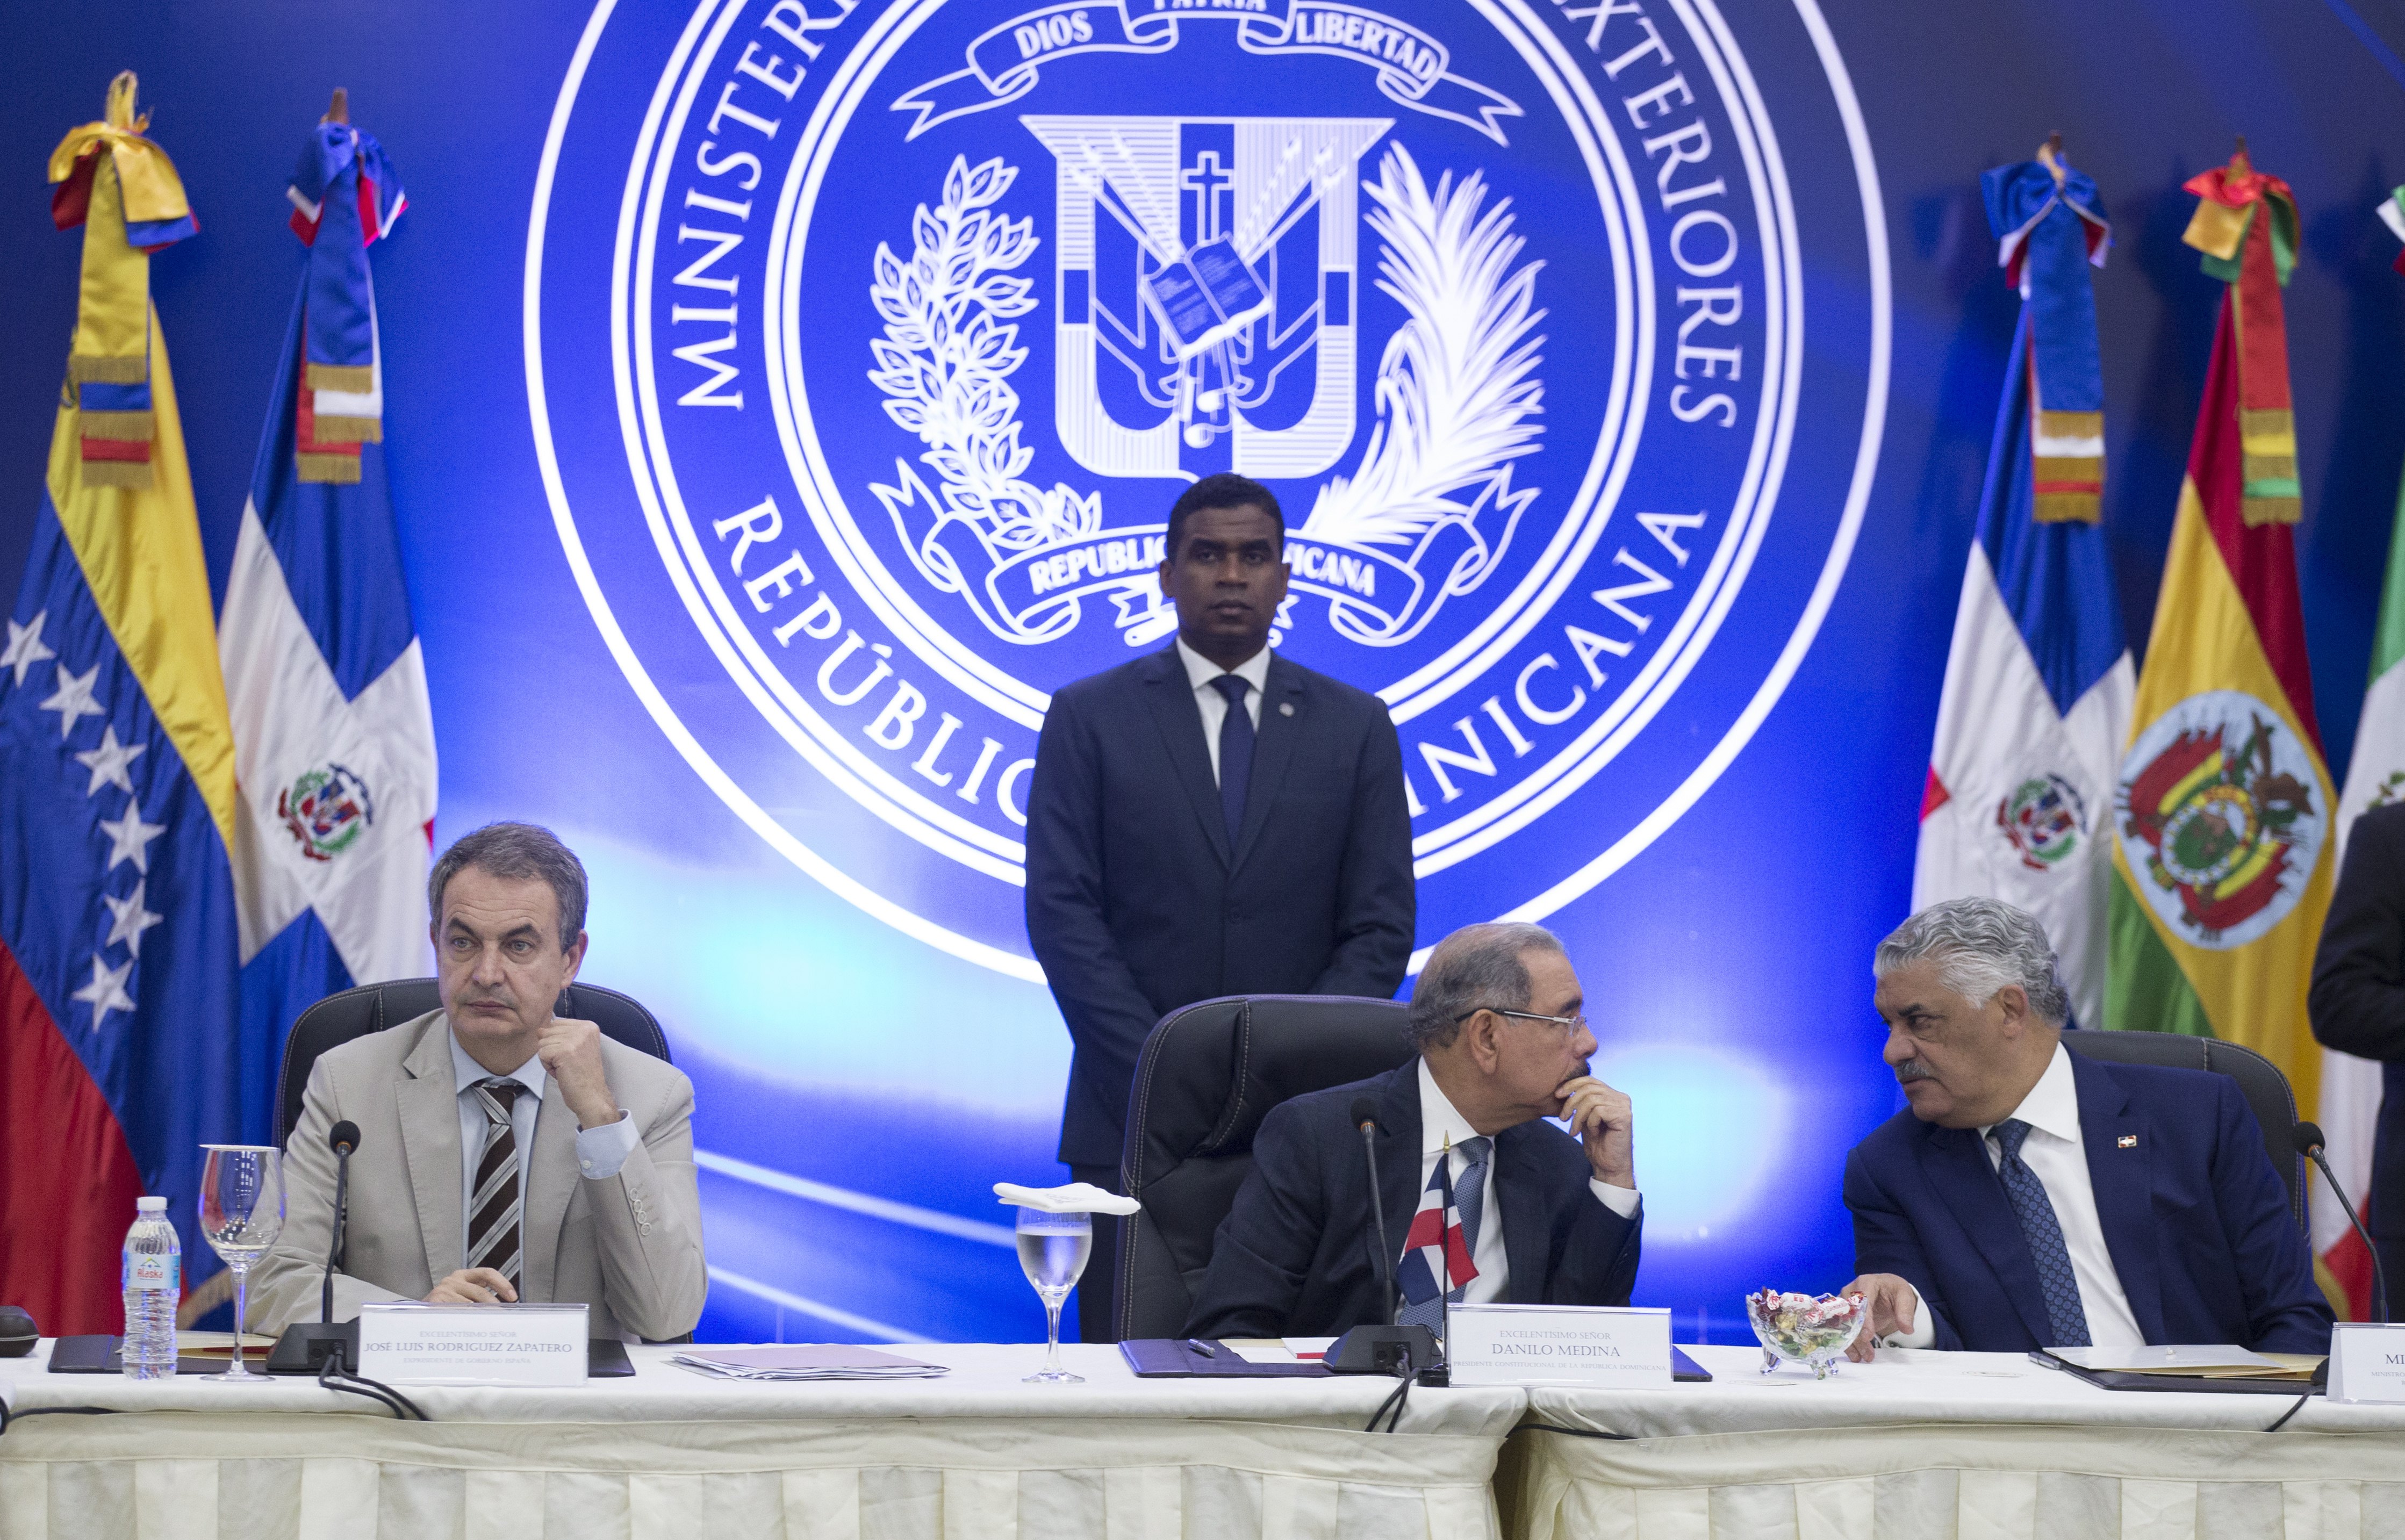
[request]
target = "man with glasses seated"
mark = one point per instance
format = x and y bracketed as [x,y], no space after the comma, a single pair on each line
[1546,1217]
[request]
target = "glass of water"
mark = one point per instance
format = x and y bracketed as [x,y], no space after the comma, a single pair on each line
[242,1212]
[1052,1251]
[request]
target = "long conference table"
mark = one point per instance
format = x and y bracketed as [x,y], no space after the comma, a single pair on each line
[1942,1445]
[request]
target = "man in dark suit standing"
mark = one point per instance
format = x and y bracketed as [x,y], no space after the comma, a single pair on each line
[1212,820]
[2357,1006]
[2032,1197]
[1546,1218]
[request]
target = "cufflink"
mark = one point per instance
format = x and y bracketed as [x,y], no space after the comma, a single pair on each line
[2128,1141]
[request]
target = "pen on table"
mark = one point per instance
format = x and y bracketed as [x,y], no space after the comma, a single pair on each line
[1202,1348]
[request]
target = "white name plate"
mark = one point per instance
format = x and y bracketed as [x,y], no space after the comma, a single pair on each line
[1558,1344]
[406,1343]
[2367,1362]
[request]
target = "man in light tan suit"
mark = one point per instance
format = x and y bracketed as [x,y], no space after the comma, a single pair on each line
[504,1152]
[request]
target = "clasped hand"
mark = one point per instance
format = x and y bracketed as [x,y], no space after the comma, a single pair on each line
[571,1051]
[1602,1119]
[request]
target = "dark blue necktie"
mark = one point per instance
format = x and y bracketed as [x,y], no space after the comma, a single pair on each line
[1236,754]
[2045,1234]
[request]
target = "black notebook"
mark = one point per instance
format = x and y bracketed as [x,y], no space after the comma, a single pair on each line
[1175,1358]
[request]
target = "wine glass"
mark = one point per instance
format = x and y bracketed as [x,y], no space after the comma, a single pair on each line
[1052,1251]
[242,1212]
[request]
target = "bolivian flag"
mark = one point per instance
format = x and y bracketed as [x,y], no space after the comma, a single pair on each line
[2223,867]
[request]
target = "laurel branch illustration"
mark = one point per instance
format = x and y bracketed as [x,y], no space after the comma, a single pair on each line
[945,364]
[1456,399]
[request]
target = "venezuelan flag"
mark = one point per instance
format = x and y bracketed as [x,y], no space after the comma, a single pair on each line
[2223,867]
[118,1000]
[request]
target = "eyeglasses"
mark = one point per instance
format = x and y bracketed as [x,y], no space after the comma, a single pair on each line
[1570,1024]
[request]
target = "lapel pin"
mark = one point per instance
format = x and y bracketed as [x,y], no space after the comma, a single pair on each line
[2128,1141]
[1285,708]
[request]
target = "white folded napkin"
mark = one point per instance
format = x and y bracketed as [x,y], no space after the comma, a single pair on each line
[1077,1198]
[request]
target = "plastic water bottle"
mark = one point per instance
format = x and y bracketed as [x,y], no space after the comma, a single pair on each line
[154,1283]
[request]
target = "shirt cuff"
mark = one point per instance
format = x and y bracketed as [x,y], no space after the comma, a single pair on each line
[1620,1200]
[599,1151]
[1924,1327]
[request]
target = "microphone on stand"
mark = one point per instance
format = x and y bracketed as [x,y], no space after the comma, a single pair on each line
[2309,1145]
[1365,1117]
[304,1348]
[1387,1348]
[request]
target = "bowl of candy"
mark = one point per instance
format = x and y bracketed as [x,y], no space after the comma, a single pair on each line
[1801,1328]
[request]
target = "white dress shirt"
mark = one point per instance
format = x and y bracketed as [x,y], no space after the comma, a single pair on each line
[2057,1154]
[1201,671]
[599,1151]
[1442,1126]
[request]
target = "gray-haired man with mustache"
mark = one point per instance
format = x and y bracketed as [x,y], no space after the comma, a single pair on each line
[2030,1197]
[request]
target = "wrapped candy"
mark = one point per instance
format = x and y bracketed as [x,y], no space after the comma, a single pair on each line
[1815,1329]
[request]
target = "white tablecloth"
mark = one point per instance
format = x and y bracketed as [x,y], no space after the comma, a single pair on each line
[974,1455]
[1928,1446]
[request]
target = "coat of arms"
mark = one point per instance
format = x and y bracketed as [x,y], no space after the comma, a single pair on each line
[1207,319]
[2220,817]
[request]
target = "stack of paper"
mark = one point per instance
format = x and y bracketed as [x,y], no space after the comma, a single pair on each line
[807,1361]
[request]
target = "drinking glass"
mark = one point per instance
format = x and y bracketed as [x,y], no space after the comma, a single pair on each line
[1052,1251]
[242,1212]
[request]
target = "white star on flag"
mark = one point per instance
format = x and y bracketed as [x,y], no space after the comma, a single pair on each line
[106,990]
[132,919]
[73,699]
[109,762]
[130,839]
[25,647]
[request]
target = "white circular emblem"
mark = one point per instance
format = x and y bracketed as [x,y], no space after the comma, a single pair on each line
[863,408]
[2222,815]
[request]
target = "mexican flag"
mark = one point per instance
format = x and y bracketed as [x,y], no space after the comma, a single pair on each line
[2223,864]
[2376,776]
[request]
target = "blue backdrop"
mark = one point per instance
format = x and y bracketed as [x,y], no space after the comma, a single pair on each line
[1721,827]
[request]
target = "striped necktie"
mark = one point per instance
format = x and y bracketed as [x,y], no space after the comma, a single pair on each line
[493,1227]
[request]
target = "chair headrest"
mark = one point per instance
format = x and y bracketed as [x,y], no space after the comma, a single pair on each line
[1215,1068]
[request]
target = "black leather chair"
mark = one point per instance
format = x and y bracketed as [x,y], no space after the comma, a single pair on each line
[1207,1075]
[373,1007]
[2266,1089]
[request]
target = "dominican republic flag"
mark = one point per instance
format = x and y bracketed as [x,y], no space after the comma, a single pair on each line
[333,736]
[1430,1261]
[117,1051]
[2018,804]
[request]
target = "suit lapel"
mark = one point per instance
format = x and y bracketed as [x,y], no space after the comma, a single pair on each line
[1957,1168]
[1399,1159]
[1273,746]
[427,1100]
[1526,1238]
[1180,721]
[549,1181]
[2122,1178]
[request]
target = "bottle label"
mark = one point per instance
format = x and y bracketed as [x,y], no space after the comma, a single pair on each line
[147,1271]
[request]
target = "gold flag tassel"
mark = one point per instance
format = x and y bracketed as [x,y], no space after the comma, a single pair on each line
[109,177]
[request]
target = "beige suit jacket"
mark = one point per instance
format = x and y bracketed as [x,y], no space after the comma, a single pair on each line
[627,1245]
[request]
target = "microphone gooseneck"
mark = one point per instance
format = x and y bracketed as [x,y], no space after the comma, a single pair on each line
[1365,1117]
[2309,1145]
[344,1138]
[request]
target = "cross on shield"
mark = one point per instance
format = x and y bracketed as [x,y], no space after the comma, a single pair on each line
[1208,272]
